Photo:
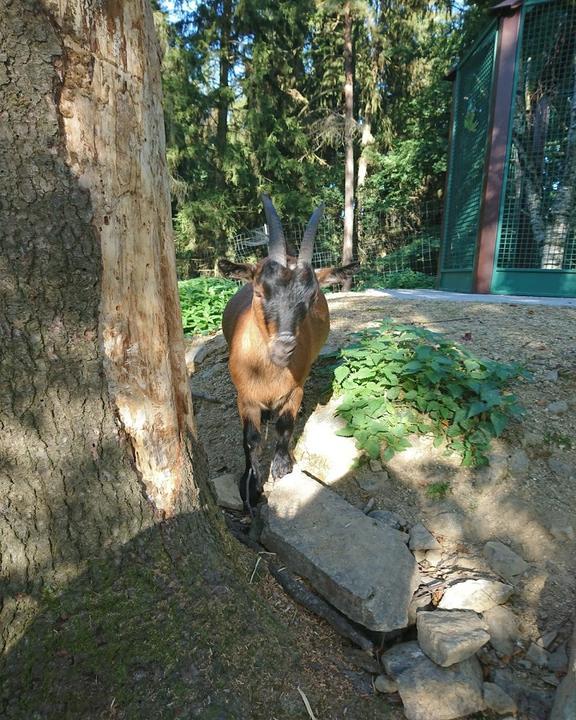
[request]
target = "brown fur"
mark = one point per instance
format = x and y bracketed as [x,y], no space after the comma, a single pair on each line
[260,383]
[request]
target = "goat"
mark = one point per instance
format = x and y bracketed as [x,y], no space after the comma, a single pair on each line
[275,326]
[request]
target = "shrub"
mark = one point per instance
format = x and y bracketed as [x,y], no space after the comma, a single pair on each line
[203,301]
[399,380]
[401,279]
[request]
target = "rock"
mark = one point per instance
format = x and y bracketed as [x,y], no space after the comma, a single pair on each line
[558,407]
[418,602]
[389,518]
[477,595]
[565,701]
[422,539]
[498,700]
[538,655]
[401,657]
[532,703]
[560,527]
[385,684]
[503,629]
[420,555]
[368,507]
[532,439]
[375,466]
[519,463]
[498,466]
[434,557]
[199,347]
[320,451]
[448,524]
[550,376]
[547,638]
[226,492]
[450,636]
[430,692]
[356,563]
[558,661]
[503,560]
[561,467]
[362,659]
[372,482]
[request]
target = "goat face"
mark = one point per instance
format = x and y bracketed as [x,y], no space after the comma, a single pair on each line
[282,298]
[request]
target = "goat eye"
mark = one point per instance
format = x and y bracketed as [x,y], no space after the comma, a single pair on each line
[257,293]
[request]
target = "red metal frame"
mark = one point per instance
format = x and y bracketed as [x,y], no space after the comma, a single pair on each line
[502,101]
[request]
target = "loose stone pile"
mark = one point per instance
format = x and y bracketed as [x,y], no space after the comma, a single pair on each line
[452,642]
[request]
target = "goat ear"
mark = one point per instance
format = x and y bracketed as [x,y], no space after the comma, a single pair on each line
[336,275]
[236,271]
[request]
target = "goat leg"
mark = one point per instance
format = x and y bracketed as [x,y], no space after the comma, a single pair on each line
[282,463]
[251,481]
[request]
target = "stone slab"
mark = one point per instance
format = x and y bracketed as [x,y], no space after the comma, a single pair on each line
[450,636]
[430,692]
[358,564]
[477,595]
[504,560]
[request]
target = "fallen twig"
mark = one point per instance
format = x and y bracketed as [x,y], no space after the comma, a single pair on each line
[307,704]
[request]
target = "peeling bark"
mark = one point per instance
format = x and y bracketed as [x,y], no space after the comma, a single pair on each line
[96,424]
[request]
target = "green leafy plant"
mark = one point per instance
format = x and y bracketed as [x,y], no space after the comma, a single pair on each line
[438,490]
[398,380]
[400,279]
[559,439]
[202,301]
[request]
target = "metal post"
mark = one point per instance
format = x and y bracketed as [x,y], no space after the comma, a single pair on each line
[502,105]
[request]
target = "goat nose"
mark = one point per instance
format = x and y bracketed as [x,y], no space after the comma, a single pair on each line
[287,341]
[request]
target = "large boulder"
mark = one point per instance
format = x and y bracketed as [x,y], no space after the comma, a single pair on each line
[358,564]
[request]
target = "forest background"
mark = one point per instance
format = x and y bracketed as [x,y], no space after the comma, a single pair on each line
[345,103]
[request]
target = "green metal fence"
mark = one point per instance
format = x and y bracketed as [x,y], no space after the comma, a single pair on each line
[510,221]
[537,236]
[470,125]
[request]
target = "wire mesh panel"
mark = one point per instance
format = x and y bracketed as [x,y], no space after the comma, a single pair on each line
[471,116]
[252,245]
[538,226]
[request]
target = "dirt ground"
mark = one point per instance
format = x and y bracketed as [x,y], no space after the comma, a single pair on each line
[532,508]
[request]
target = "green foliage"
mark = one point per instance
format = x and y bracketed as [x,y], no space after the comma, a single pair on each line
[438,490]
[558,439]
[274,73]
[203,301]
[399,380]
[419,254]
[399,279]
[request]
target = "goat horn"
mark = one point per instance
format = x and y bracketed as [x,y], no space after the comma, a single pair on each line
[307,245]
[276,241]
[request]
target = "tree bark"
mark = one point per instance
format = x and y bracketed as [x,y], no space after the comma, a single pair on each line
[223,99]
[97,432]
[348,242]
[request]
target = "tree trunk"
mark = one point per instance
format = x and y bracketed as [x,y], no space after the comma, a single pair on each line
[348,246]
[223,99]
[97,431]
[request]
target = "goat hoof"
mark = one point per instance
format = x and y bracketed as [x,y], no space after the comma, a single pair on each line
[281,465]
